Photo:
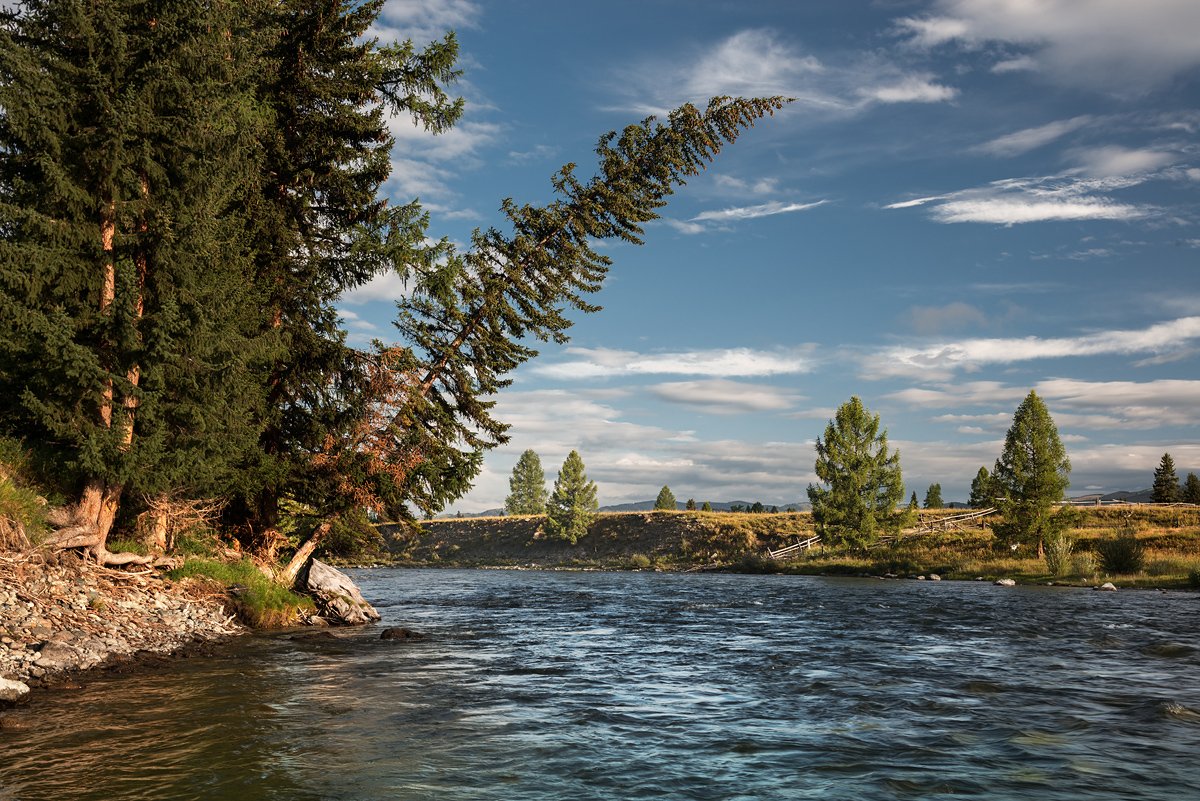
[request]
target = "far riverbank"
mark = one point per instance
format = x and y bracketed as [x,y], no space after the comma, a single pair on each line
[741,542]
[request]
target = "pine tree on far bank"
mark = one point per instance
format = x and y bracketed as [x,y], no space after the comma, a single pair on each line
[933,497]
[863,479]
[983,492]
[1191,489]
[527,487]
[1166,483]
[1032,475]
[572,506]
[665,500]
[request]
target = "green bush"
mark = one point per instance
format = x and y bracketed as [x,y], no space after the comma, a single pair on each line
[1122,554]
[22,515]
[639,561]
[1058,553]
[257,600]
[1083,564]
[1194,578]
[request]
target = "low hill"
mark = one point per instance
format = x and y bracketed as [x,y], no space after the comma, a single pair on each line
[698,540]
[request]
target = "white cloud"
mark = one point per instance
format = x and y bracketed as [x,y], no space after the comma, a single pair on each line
[753,212]
[1018,64]
[753,63]
[761,186]
[728,362]
[1025,200]
[721,396]
[424,20]
[1018,142]
[911,89]
[387,286]
[1016,210]
[1108,161]
[933,31]
[945,357]
[536,153]
[1111,45]
[685,227]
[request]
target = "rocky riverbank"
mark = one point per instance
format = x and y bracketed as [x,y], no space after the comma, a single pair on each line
[62,615]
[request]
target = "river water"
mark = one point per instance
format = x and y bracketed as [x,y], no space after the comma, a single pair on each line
[573,686]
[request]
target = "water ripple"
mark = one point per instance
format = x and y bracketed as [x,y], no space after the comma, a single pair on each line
[623,686]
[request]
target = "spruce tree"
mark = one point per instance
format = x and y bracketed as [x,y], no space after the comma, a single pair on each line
[1166,483]
[912,502]
[983,493]
[527,487]
[690,505]
[863,479]
[1191,489]
[1031,474]
[665,500]
[572,506]
[707,507]
[933,497]
[128,133]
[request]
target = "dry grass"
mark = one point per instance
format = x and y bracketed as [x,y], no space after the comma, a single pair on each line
[684,540]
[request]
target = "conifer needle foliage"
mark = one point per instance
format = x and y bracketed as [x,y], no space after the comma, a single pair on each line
[186,191]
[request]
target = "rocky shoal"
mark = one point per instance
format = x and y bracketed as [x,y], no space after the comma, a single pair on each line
[64,615]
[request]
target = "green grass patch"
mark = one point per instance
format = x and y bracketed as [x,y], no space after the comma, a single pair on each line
[127,546]
[258,601]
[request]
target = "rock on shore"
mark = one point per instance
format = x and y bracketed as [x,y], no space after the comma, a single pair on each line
[68,616]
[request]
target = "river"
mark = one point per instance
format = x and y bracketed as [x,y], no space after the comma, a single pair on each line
[553,685]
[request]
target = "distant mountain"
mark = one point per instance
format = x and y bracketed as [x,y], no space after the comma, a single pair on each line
[1136,496]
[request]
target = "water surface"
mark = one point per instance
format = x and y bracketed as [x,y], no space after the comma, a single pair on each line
[541,685]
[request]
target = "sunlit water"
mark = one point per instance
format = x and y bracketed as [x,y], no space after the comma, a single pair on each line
[623,686]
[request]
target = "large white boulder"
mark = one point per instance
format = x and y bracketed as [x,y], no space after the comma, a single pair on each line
[338,598]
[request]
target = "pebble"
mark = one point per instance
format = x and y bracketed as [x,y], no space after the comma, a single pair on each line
[80,617]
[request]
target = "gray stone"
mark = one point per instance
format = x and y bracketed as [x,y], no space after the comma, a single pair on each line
[1005,582]
[337,597]
[56,656]
[12,690]
[934,577]
[1107,586]
[400,633]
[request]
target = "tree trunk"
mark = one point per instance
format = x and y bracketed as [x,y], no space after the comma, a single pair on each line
[287,576]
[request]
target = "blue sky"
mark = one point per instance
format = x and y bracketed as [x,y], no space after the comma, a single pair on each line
[968,199]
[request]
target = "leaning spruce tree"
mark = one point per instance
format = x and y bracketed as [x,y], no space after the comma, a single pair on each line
[527,487]
[1166,483]
[863,480]
[665,500]
[572,506]
[1031,476]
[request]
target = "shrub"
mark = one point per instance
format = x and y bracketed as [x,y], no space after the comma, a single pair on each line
[22,515]
[639,561]
[1194,578]
[1058,553]
[257,600]
[1083,564]
[1122,553]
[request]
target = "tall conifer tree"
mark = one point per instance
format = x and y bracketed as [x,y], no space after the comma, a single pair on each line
[572,506]
[527,486]
[863,477]
[122,126]
[1031,474]
[1166,483]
